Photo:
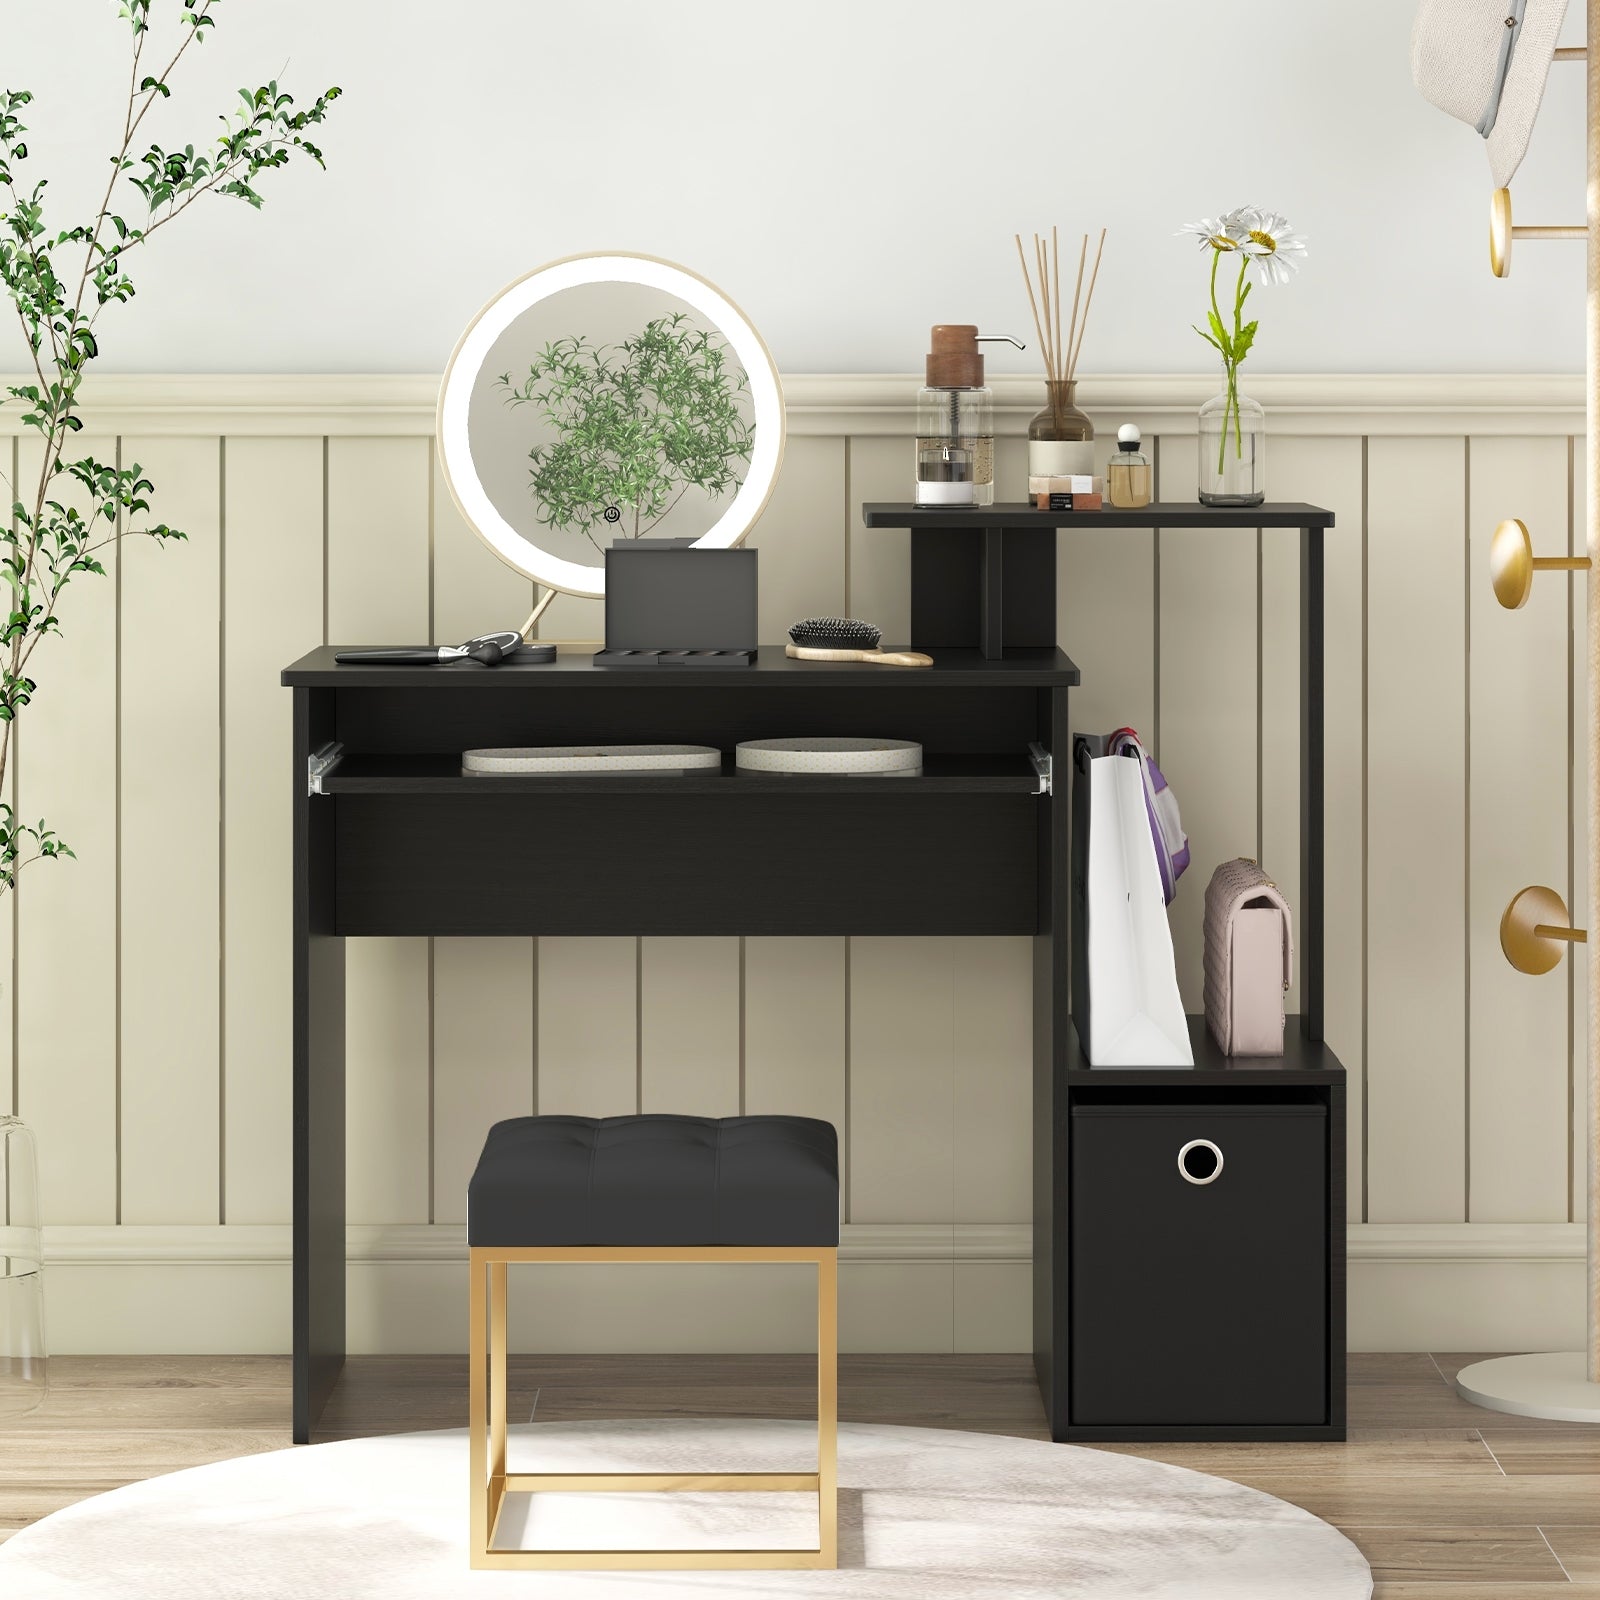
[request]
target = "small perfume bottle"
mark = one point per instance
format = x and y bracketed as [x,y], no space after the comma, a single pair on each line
[1128,472]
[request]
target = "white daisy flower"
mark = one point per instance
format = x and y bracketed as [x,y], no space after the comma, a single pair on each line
[1214,235]
[1266,237]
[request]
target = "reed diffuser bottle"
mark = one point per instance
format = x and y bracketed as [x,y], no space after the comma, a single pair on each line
[1060,437]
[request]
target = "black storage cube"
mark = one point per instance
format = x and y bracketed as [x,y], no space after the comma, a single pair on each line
[1199,1268]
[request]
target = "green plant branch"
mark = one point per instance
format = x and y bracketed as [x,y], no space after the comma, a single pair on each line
[43,548]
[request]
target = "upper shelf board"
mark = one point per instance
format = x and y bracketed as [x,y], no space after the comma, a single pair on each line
[1158,514]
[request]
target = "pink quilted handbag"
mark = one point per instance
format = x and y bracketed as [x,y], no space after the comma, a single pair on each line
[1249,960]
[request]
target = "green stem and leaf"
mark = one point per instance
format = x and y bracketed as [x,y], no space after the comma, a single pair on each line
[55,534]
[1233,345]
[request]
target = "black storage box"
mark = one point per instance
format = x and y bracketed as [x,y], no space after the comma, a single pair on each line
[671,604]
[1199,1271]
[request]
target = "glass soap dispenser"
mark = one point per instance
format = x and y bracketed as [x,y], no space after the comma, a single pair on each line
[955,420]
[1128,472]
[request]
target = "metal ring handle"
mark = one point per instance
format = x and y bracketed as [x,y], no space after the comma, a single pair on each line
[1183,1156]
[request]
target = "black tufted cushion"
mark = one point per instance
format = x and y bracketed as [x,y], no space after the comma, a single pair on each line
[656,1180]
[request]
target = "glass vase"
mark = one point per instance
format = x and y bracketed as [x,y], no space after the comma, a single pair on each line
[24,1369]
[1061,437]
[1233,449]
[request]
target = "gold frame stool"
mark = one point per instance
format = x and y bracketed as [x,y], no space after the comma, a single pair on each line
[487,1389]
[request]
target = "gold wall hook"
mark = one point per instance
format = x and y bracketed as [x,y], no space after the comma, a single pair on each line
[1502,231]
[1512,563]
[1534,929]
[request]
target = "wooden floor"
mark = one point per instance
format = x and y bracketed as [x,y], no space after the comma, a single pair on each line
[1447,1501]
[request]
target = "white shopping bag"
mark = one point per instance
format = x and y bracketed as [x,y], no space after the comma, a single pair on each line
[1135,1012]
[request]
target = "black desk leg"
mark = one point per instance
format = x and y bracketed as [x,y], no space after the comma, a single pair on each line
[319,1208]
[1312,785]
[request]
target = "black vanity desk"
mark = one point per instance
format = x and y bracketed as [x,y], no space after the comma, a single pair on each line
[390,838]
[1157,1315]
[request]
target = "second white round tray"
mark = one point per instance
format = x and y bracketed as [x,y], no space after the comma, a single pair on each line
[883,758]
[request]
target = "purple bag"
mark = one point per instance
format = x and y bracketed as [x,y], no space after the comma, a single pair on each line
[1161,806]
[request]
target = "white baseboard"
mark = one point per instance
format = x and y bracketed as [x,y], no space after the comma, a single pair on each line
[903,1287]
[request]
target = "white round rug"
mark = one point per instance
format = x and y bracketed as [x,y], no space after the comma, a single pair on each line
[924,1514]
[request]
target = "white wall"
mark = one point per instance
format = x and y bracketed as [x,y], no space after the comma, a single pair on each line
[144,987]
[848,170]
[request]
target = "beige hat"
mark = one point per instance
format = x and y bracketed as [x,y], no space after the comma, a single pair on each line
[1485,61]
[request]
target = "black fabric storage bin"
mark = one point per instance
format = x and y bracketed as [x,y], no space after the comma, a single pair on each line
[1199,1303]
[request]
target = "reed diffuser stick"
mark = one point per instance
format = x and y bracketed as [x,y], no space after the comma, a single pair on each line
[1027,278]
[1072,327]
[1072,359]
[1052,353]
[1055,252]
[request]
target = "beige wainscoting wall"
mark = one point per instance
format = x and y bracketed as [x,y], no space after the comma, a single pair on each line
[145,1029]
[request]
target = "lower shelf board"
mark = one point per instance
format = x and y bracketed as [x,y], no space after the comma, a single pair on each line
[1303,1061]
[435,773]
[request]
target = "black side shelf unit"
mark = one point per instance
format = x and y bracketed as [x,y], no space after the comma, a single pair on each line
[1189,1223]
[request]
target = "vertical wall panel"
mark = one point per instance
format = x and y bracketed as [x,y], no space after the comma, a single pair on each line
[378,593]
[1323,472]
[992,1050]
[272,613]
[482,1055]
[1518,823]
[1580,729]
[387,1092]
[689,1026]
[67,967]
[879,586]
[794,1029]
[902,1107]
[474,591]
[588,1027]
[1416,830]
[801,537]
[483,989]
[8,903]
[170,835]
[1208,685]
[1105,620]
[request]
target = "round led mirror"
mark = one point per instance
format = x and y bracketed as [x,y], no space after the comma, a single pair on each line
[608,397]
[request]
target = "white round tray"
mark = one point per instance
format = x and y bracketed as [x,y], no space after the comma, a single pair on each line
[562,759]
[858,757]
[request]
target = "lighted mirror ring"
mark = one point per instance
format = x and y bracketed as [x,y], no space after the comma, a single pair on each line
[472,350]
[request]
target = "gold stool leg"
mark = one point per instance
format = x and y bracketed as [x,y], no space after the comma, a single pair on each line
[828,1408]
[478,1404]
[497,1391]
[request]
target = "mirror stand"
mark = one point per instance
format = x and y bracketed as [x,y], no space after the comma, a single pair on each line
[538,611]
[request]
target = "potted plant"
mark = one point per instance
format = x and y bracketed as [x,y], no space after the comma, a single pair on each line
[636,425]
[68,518]
[1233,441]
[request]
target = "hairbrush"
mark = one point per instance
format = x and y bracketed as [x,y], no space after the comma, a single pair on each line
[846,639]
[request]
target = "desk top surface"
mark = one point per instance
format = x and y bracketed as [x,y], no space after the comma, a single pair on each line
[574,668]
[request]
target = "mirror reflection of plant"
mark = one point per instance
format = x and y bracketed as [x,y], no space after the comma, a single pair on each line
[48,541]
[638,424]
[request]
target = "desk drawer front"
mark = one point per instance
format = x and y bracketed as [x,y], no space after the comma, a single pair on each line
[661,864]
